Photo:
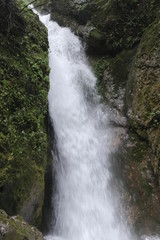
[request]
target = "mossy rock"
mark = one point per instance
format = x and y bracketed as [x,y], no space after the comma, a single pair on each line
[143,104]
[96,39]
[141,178]
[24,87]
[144,107]
[122,23]
[128,70]
[112,74]
[97,35]
[16,228]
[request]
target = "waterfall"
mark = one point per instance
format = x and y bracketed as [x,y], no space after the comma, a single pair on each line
[86,202]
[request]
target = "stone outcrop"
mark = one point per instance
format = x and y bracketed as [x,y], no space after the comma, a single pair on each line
[106,26]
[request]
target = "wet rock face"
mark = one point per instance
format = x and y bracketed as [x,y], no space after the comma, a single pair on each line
[110,25]
[76,15]
[144,109]
[142,188]
[16,228]
[112,73]
[143,105]
[130,84]
[81,11]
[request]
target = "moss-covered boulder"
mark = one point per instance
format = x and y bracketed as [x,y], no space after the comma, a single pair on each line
[23,112]
[15,228]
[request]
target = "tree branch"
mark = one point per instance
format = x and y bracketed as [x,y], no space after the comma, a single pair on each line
[27,5]
[21,12]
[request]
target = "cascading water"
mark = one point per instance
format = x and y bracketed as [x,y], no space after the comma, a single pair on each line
[87,208]
[85,203]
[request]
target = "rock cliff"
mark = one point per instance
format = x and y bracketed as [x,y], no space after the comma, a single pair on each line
[24,87]
[107,26]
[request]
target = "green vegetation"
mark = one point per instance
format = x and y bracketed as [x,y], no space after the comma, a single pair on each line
[146,89]
[100,67]
[117,67]
[138,72]
[155,118]
[123,21]
[97,35]
[23,112]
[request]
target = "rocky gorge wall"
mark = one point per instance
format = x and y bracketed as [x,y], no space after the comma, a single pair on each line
[107,26]
[24,84]
[123,42]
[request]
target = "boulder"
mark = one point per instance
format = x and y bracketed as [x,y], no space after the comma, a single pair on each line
[15,228]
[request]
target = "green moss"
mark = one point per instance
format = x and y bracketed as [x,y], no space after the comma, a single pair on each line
[100,66]
[103,4]
[143,102]
[23,110]
[150,38]
[97,35]
[123,21]
[138,151]
[118,67]
[146,88]
[16,228]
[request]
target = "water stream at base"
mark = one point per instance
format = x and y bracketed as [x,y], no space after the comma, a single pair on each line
[87,206]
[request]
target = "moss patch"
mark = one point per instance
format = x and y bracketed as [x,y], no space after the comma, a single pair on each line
[145,106]
[118,68]
[16,228]
[23,111]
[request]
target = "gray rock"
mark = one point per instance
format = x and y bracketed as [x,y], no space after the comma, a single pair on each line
[15,228]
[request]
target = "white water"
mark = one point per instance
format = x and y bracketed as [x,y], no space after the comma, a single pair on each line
[86,206]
